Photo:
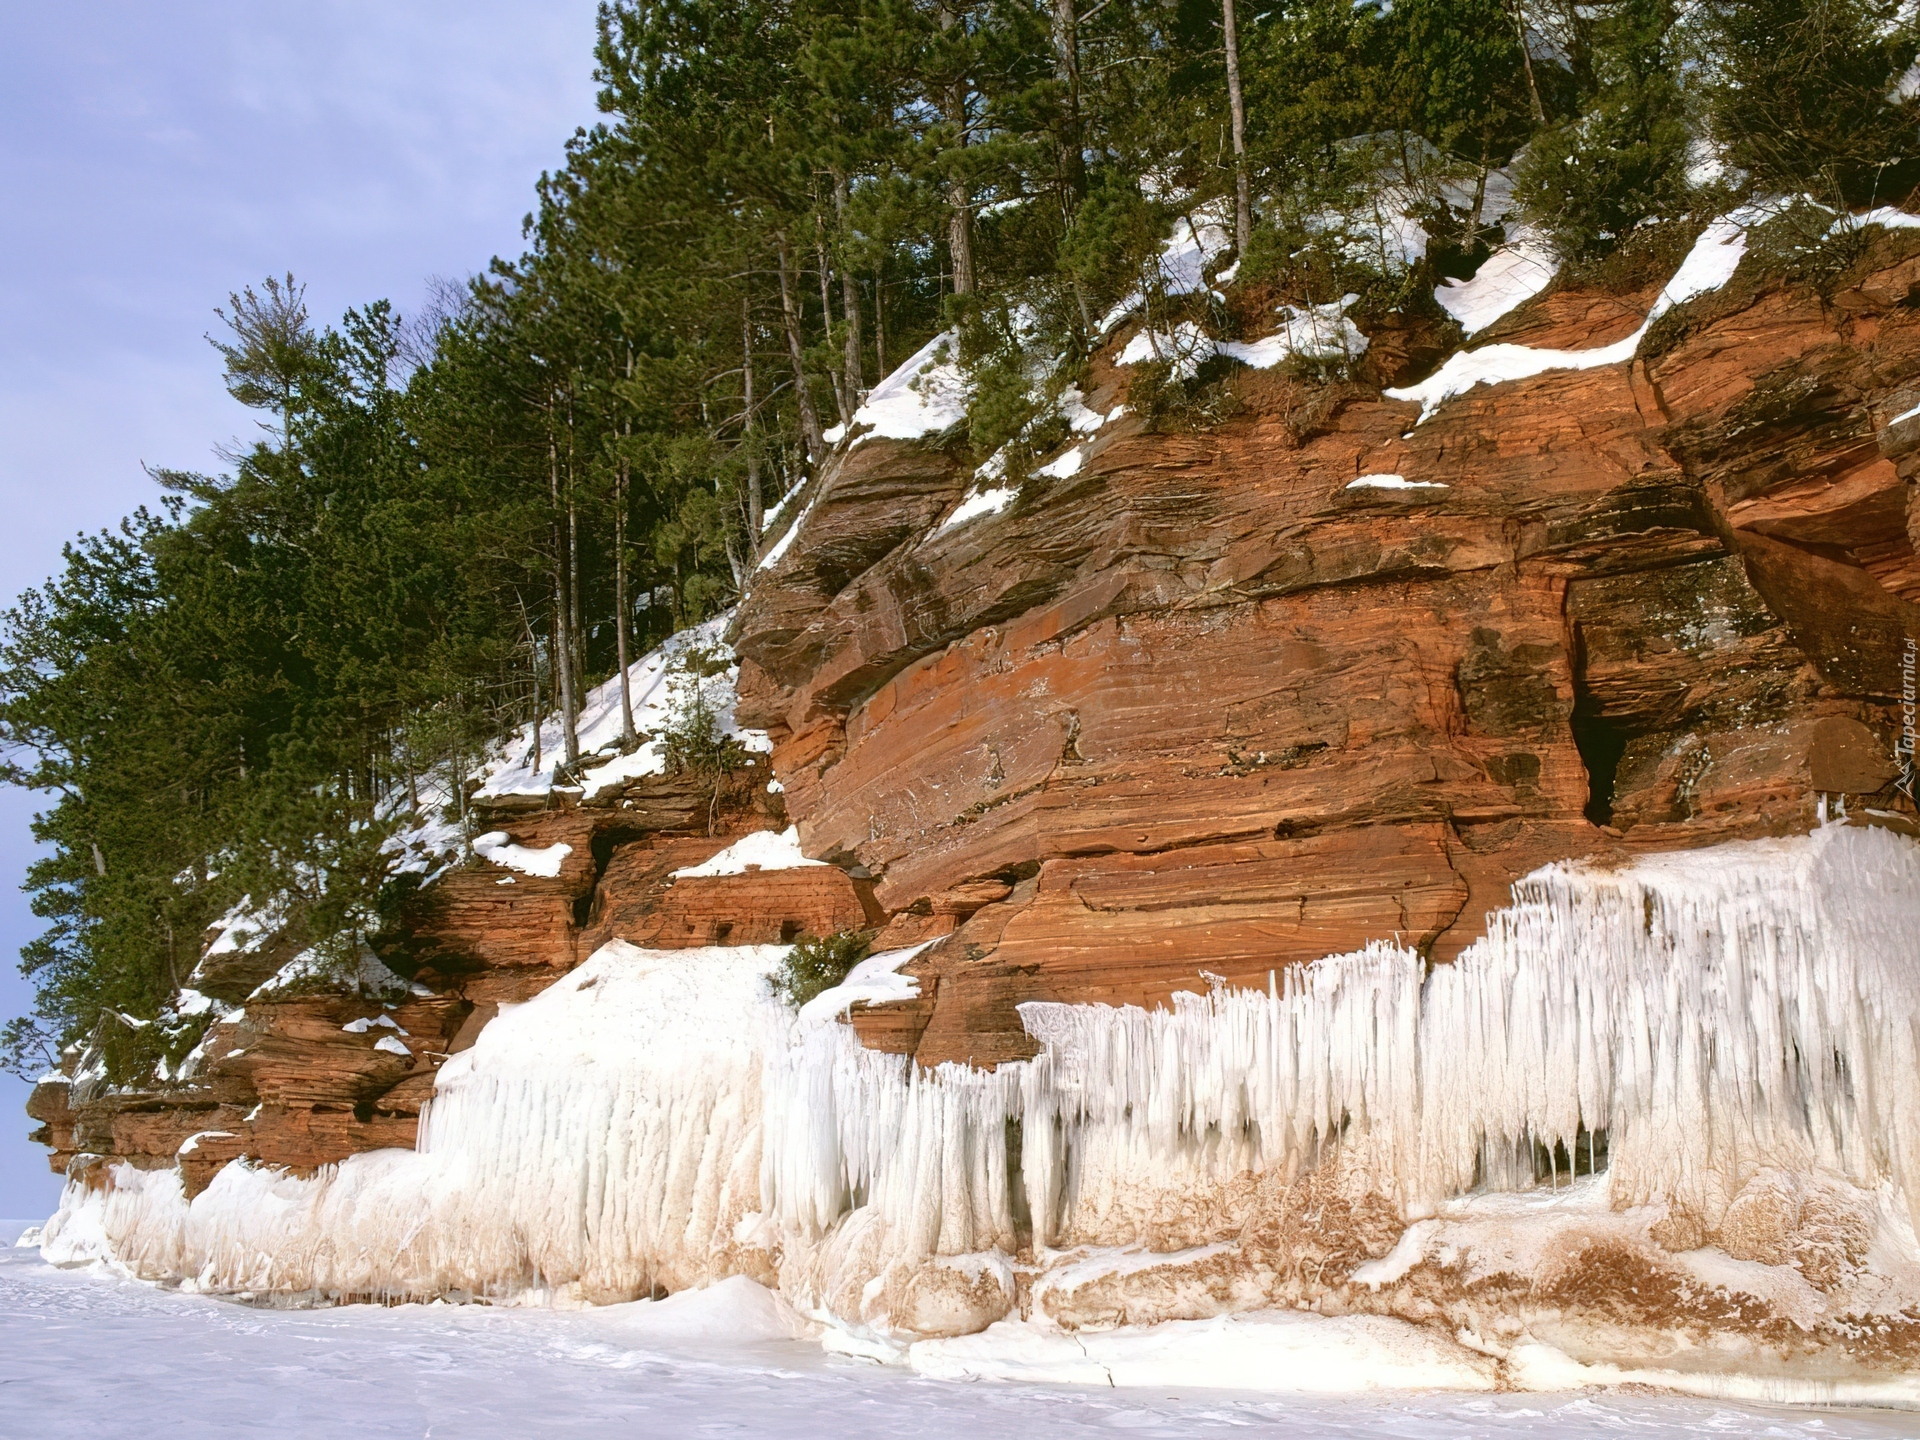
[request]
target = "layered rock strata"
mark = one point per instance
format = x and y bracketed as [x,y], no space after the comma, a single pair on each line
[302,1075]
[1205,707]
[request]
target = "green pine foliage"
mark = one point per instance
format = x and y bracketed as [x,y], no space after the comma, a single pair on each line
[452,523]
[1806,95]
[1622,159]
[817,963]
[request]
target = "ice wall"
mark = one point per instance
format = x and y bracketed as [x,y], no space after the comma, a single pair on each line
[599,1141]
[1715,1012]
[655,1118]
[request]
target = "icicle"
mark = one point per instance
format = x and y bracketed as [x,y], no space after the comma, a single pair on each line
[655,1118]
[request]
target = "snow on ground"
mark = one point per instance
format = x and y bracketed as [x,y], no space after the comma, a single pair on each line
[772,516]
[364,973]
[1287,1351]
[1313,332]
[777,551]
[1513,274]
[1708,266]
[1081,418]
[1885,215]
[1065,467]
[84,1356]
[660,683]
[874,981]
[982,502]
[924,396]
[245,928]
[762,850]
[1196,242]
[989,497]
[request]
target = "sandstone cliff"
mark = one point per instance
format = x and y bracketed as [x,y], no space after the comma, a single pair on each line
[1202,708]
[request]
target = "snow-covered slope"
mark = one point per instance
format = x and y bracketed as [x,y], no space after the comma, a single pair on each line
[662,683]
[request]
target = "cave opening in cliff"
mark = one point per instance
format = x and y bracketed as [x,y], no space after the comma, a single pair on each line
[1602,743]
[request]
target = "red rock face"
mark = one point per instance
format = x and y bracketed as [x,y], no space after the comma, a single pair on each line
[291,1082]
[1208,711]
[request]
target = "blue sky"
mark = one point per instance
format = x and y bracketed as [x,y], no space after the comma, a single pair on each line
[154,158]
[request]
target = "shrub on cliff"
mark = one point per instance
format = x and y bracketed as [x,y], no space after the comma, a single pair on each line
[694,739]
[818,963]
[1813,95]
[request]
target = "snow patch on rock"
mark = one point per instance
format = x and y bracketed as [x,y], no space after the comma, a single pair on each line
[1506,279]
[1708,266]
[762,850]
[498,848]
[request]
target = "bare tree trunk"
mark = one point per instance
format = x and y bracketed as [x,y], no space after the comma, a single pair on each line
[1236,101]
[790,313]
[457,763]
[1526,59]
[563,641]
[406,759]
[959,199]
[1073,160]
[622,611]
[960,236]
[834,378]
[880,324]
[628,737]
[1066,63]
[576,625]
[533,653]
[849,304]
[756,501]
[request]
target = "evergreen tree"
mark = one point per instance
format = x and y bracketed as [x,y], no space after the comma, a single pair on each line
[1807,95]
[1623,158]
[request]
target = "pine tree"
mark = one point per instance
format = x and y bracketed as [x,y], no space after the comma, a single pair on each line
[1623,158]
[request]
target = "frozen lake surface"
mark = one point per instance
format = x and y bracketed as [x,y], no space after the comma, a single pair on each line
[85,1355]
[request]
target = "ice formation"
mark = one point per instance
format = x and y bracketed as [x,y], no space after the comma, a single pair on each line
[1730,1019]
[597,1141]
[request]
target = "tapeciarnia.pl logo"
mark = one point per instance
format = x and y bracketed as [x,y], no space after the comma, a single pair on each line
[1904,750]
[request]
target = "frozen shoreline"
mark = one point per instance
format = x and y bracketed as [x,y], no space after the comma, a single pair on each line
[82,1355]
[1365,1177]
